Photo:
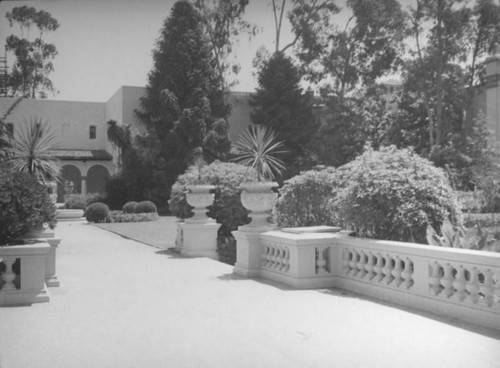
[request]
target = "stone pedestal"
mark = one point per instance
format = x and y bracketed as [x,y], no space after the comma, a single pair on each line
[249,250]
[51,279]
[199,239]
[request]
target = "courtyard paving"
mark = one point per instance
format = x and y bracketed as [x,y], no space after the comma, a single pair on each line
[122,303]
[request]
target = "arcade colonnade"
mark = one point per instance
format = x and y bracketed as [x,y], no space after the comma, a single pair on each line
[83,177]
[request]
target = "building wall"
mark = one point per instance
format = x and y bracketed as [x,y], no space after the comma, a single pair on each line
[70,121]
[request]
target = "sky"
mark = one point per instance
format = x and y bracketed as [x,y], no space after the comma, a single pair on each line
[104,44]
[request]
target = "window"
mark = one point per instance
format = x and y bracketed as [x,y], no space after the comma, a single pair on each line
[92,132]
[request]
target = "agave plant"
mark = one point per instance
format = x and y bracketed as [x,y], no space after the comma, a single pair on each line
[258,148]
[33,151]
[475,238]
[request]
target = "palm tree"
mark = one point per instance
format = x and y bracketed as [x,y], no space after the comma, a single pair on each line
[257,148]
[33,151]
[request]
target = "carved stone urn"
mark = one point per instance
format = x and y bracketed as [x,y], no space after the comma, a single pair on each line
[260,199]
[200,197]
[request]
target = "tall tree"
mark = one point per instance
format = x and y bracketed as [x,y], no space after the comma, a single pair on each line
[34,56]
[183,97]
[223,22]
[281,104]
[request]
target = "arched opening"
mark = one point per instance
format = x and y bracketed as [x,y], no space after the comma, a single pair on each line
[71,182]
[97,177]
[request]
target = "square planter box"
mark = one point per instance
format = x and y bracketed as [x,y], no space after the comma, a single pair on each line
[22,274]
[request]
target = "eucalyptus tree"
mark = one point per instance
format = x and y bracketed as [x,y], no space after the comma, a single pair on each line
[33,55]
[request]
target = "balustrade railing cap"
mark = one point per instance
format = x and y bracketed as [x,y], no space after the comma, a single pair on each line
[311,229]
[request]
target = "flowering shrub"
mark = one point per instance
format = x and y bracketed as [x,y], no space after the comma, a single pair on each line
[305,200]
[129,207]
[394,194]
[119,216]
[96,212]
[24,205]
[145,207]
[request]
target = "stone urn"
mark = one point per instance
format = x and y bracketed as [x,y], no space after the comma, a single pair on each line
[200,197]
[260,199]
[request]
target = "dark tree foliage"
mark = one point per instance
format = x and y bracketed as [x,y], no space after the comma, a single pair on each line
[183,101]
[281,104]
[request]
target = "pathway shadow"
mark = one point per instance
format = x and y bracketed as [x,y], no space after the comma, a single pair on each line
[171,253]
[471,327]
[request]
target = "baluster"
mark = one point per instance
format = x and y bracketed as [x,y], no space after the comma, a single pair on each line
[487,288]
[370,265]
[264,256]
[447,281]
[379,267]
[473,286]
[387,270]
[361,264]
[272,256]
[435,278]
[321,261]
[407,273]
[345,260]
[286,260]
[459,284]
[352,263]
[397,271]
[496,290]
[8,276]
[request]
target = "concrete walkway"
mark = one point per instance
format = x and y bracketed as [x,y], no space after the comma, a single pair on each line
[125,304]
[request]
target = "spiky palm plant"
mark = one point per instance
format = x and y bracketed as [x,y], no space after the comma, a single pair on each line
[258,147]
[33,151]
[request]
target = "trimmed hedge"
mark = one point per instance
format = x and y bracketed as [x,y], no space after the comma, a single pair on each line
[394,194]
[129,207]
[96,212]
[145,207]
[305,200]
[25,204]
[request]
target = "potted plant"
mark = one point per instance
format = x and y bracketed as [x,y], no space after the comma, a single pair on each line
[24,204]
[258,148]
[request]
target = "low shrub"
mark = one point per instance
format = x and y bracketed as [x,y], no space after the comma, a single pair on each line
[226,249]
[96,212]
[81,201]
[24,205]
[119,216]
[129,207]
[305,200]
[145,207]
[471,202]
[483,219]
[394,194]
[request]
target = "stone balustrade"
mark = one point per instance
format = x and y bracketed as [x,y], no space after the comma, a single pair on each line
[457,283]
[22,274]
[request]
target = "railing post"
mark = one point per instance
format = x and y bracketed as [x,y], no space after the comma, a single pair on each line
[249,250]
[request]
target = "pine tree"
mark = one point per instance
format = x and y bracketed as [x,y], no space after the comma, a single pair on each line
[183,97]
[281,104]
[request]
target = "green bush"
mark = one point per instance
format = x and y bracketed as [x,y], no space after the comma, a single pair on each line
[129,207]
[81,201]
[96,212]
[119,216]
[227,209]
[24,205]
[394,194]
[145,207]
[305,200]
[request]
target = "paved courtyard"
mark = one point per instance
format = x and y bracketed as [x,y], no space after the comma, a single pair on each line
[123,304]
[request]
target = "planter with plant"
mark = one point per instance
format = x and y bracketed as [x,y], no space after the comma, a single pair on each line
[199,194]
[24,205]
[258,148]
